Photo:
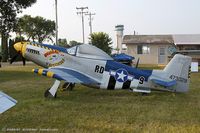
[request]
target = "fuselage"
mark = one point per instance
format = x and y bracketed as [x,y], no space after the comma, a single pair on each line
[109,73]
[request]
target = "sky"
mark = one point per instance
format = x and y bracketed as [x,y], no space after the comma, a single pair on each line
[142,16]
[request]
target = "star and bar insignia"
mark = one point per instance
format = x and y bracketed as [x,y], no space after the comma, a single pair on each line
[121,75]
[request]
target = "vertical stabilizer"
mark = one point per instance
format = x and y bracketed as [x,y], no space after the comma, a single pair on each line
[179,69]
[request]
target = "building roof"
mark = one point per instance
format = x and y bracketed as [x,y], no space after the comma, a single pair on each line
[155,39]
[186,39]
[182,39]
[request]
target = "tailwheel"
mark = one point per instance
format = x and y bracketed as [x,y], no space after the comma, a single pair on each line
[68,86]
[47,94]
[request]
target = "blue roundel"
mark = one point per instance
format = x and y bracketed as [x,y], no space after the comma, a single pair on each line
[121,75]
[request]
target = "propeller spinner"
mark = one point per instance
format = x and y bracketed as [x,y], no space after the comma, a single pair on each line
[20,47]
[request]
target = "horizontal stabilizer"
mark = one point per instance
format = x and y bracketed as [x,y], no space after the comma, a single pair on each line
[6,102]
[164,83]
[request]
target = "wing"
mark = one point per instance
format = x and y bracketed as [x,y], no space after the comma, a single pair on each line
[66,74]
[6,102]
[164,83]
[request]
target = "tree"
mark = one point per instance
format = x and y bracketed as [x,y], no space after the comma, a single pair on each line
[74,43]
[8,13]
[63,43]
[102,41]
[36,28]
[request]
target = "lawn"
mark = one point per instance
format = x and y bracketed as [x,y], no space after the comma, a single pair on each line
[91,110]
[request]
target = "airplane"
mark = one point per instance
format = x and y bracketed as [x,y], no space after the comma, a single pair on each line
[90,66]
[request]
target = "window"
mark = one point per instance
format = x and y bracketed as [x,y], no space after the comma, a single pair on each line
[162,51]
[146,49]
[72,50]
[143,49]
[139,49]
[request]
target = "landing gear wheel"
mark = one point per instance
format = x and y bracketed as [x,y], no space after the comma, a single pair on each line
[47,94]
[68,86]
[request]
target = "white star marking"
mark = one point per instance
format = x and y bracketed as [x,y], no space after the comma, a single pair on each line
[121,76]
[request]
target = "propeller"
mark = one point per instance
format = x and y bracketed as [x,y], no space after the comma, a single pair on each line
[138,60]
[18,47]
[24,61]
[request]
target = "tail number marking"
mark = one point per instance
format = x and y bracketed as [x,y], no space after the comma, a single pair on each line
[180,79]
[99,69]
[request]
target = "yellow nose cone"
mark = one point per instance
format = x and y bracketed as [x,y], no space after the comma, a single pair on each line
[21,47]
[18,46]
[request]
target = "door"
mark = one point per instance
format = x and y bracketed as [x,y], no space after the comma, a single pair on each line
[161,55]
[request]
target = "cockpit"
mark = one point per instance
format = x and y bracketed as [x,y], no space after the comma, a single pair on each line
[88,51]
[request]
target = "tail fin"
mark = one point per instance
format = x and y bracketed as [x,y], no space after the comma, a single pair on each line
[179,69]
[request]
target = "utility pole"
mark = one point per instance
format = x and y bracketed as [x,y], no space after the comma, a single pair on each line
[90,20]
[56,28]
[82,13]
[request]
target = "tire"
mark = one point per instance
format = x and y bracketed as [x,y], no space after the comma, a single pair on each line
[47,94]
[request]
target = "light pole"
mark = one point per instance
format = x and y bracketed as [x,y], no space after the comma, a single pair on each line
[82,15]
[90,20]
[56,26]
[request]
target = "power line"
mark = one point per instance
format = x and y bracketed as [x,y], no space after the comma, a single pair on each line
[90,20]
[82,13]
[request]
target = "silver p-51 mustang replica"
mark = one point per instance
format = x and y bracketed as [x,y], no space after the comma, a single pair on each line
[86,64]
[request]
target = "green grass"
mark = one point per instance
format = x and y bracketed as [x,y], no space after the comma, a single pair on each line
[91,110]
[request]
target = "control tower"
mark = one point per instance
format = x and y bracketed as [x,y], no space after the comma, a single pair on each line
[119,32]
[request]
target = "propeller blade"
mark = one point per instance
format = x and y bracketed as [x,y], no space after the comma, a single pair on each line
[14,58]
[24,61]
[138,60]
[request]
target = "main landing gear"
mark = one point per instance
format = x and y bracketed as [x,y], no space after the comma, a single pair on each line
[52,92]
[47,94]
[68,86]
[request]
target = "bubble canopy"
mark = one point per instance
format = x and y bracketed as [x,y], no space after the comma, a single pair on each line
[88,51]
